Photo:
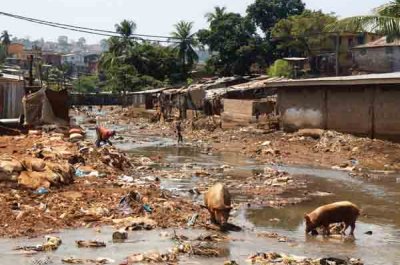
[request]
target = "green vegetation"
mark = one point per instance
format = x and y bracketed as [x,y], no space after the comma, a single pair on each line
[384,20]
[185,46]
[234,42]
[5,41]
[280,68]
[130,66]
[87,84]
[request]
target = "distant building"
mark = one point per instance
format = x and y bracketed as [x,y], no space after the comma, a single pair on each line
[92,63]
[325,60]
[378,56]
[73,59]
[51,58]
[16,50]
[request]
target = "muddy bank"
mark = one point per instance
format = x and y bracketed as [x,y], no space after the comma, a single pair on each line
[323,149]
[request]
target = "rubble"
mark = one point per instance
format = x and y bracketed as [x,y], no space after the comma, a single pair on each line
[90,244]
[52,243]
[154,257]
[282,259]
[97,261]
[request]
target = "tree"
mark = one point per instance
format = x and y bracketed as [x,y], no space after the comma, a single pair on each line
[86,84]
[185,46]
[384,20]
[234,44]
[63,43]
[104,45]
[302,35]
[126,28]
[5,40]
[219,13]
[3,54]
[266,13]
[57,77]
[81,43]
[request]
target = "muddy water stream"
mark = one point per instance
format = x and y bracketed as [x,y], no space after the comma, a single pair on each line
[379,200]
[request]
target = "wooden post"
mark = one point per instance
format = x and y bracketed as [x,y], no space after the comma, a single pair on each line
[337,54]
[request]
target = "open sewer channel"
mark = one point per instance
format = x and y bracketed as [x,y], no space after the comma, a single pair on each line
[378,199]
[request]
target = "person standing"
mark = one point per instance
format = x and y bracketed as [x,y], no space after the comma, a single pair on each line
[178,131]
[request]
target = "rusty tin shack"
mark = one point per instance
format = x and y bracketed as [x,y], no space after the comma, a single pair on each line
[11,94]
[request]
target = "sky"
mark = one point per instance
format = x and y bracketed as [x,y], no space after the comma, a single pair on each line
[153,17]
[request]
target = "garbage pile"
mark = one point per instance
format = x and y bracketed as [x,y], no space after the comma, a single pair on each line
[204,246]
[52,243]
[283,259]
[34,173]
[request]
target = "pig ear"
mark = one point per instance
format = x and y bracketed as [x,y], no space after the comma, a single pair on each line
[306,217]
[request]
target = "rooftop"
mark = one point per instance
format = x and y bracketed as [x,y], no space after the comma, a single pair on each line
[10,77]
[382,42]
[369,79]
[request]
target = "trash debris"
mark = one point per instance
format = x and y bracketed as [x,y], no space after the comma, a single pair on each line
[192,219]
[275,258]
[52,243]
[134,224]
[147,208]
[120,235]
[97,261]
[154,257]
[41,191]
[90,244]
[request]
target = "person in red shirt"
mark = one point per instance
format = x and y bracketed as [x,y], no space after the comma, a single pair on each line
[103,135]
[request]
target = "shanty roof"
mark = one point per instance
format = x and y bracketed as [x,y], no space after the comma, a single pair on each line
[257,83]
[370,79]
[295,59]
[382,42]
[150,91]
[8,77]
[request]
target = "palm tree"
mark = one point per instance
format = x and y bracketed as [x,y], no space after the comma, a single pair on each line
[5,40]
[185,45]
[126,28]
[384,20]
[219,12]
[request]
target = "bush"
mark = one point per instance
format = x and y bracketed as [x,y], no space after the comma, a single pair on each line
[87,84]
[280,68]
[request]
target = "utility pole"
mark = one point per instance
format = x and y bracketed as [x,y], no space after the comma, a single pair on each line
[337,53]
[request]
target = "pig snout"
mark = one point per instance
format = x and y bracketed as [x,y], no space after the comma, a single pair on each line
[222,216]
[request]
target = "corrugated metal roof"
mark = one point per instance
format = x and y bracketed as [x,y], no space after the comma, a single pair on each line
[370,79]
[382,42]
[10,77]
[150,91]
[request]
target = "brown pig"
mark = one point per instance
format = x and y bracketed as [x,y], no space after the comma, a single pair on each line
[218,202]
[338,212]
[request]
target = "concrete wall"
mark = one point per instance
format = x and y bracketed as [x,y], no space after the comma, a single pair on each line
[386,112]
[245,110]
[301,107]
[367,110]
[348,109]
[378,59]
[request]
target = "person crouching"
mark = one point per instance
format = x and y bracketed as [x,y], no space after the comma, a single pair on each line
[103,136]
